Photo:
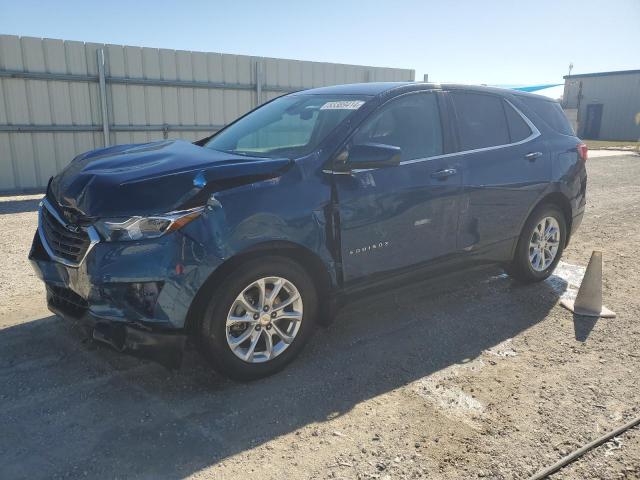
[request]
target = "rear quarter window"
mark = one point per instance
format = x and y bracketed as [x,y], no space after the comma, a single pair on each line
[551,113]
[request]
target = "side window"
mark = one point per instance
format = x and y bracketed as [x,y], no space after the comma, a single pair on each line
[518,128]
[411,122]
[481,120]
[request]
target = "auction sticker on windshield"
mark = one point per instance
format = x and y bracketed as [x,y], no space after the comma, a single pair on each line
[343,105]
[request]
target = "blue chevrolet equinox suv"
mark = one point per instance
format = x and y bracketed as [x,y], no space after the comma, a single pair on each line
[247,239]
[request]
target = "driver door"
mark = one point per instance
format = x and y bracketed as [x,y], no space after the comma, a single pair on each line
[405,215]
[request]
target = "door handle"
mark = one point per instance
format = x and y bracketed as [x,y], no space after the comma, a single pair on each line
[533,156]
[442,174]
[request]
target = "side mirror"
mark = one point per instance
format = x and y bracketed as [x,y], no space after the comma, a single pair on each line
[368,155]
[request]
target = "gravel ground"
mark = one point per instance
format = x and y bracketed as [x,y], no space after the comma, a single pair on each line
[470,376]
[21,292]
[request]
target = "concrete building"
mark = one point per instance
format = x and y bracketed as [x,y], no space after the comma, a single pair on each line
[605,105]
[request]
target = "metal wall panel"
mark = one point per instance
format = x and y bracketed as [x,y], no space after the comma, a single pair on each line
[50,104]
[619,95]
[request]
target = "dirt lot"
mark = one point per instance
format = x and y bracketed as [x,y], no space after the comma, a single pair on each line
[469,377]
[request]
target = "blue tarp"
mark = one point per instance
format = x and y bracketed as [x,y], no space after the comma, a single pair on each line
[535,88]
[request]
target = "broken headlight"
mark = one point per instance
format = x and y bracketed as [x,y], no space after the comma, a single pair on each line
[140,228]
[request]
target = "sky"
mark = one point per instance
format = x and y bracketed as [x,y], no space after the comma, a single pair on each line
[495,42]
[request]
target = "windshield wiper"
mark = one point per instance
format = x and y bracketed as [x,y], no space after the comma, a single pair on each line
[246,154]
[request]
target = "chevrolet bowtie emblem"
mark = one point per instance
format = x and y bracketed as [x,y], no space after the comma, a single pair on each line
[69,216]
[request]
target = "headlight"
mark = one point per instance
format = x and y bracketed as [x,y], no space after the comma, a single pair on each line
[139,228]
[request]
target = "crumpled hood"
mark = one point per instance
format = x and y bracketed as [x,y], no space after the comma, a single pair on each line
[153,178]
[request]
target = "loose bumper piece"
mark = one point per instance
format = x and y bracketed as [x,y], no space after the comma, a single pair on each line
[163,347]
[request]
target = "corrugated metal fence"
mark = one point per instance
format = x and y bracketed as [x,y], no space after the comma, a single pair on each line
[60,98]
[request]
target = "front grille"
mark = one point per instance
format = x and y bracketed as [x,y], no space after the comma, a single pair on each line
[67,301]
[65,244]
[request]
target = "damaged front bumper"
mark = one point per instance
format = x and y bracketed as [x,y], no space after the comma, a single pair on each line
[134,296]
[163,346]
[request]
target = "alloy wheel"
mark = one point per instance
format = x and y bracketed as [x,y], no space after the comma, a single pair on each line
[264,319]
[544,244]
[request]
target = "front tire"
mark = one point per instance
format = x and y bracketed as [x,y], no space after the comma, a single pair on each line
[540,245]
[259,318]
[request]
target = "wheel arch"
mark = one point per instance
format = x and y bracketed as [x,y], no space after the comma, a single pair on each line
[561,201]
[310,261]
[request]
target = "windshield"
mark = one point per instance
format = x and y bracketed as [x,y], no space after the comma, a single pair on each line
[290,126]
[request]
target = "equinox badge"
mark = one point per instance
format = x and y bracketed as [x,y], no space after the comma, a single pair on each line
[368,248]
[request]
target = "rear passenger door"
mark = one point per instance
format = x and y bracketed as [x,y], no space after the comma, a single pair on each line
[505,167]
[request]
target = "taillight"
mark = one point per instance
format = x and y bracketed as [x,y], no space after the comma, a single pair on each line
[582,151]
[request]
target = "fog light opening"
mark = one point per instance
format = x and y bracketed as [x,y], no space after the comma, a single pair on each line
[144,296]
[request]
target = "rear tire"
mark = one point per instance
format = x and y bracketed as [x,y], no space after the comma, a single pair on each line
[244,333]
[540,245]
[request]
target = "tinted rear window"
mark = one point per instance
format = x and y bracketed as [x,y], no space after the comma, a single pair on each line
[518,128]
[551,112]
[481,120]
